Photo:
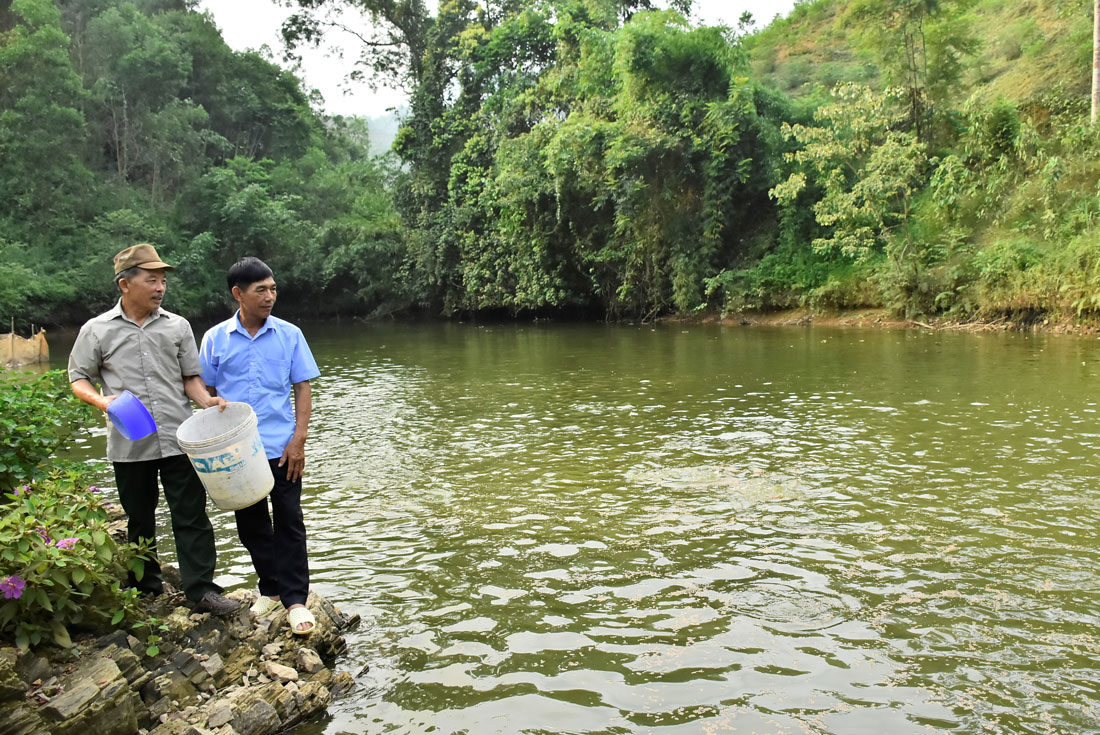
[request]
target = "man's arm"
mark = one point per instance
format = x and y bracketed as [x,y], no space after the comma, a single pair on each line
[197,392]
[85,391]
[85,364]
[294,456]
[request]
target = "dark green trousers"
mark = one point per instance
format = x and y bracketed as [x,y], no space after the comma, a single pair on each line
[139,494]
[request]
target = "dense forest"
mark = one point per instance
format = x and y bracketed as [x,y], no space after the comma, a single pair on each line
[127,122]
[583,158]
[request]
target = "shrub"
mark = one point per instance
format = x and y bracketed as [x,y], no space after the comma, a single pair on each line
[1010,276]
[852,286]
[59,567]
[1075,273]
[37,415]
[781,279]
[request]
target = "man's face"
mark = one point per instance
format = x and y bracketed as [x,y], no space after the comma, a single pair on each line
[145,291]
[256,299]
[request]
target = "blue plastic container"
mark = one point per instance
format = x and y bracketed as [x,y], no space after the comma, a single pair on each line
[130,416]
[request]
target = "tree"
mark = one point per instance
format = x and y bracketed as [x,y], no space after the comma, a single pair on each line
[867,170]
[630,187]
[1095,58]
[396,47]
[919,44]
[125,121]
[42,130]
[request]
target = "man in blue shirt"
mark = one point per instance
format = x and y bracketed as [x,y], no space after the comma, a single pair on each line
[259,359]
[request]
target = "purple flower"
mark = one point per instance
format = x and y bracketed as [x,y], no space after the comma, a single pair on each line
[12,587]
[93,489]
[67,543]
[44,534]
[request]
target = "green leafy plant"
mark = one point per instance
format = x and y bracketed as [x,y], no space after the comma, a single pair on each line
[37,415]
[153,637]
[868,171]
[59,566]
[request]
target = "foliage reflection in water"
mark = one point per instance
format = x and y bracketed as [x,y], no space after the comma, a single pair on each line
[598,529]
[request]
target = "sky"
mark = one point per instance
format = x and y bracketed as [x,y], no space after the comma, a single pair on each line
[251,24]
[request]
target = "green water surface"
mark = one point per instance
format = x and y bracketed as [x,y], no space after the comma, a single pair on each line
[699,529]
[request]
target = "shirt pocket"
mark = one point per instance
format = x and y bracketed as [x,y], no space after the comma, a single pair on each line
[276,374]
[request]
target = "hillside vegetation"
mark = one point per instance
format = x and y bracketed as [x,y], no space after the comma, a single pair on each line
[998,215]
[595,158]
[1019,50]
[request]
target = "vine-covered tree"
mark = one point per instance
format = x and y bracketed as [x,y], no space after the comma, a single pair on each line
[867,169]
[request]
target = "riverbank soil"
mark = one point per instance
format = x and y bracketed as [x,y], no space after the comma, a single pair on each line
[203,675]
[807,317]
[881,318]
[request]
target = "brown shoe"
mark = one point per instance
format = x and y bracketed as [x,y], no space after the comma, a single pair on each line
[217,604]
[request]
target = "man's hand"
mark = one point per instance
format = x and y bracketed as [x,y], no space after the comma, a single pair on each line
[294,457]
[197,391]
[85,391]
[218,401]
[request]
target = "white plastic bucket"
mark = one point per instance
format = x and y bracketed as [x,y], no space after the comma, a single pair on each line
[225,449]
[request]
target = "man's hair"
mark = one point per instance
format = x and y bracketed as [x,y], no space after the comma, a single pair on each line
[247,271]
[129,274]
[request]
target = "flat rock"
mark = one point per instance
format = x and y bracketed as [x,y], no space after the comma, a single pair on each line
[170,685]
[113,712]
[192,687]
[284,702]
[128,663]
[213,665]
[254,716]
[176,727]
[279,672]
[20,719]
[81,687]
[32,667]
[309,660]
[220,714]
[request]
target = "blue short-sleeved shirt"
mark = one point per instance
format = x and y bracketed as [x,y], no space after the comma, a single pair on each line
[259,371]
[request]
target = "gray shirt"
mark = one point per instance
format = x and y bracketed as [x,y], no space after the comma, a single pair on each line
[150,361]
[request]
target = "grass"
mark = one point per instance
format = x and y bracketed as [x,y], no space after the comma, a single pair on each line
[1025,49]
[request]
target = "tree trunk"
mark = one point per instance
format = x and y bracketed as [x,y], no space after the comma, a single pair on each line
[1095,57]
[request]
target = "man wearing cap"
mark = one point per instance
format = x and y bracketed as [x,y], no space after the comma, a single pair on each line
[140,347]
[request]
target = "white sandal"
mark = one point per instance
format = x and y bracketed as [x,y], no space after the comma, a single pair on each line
[265,607]
[300,615]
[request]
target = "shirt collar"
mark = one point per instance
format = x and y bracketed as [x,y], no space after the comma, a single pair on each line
[236,326]
[118,313]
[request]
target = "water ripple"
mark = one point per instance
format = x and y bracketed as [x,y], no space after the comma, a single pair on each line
[684,531]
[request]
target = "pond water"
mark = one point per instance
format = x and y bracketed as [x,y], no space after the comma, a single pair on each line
[685,530]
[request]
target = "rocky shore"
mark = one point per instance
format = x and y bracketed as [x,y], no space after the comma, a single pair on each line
[237,675]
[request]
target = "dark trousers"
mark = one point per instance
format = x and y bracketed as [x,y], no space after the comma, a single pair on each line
[139,494]
[276,540]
